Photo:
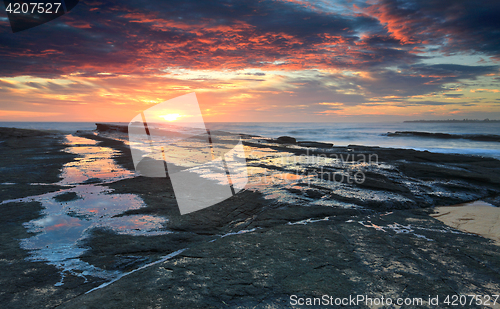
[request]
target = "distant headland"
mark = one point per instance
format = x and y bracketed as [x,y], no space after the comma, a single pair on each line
[455,120]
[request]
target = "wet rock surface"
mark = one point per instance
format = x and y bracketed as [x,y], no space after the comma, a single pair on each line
[334,257]
[314,144]
[30,157]
[319,234]
[30,165]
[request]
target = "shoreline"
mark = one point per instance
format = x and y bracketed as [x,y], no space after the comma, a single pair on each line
[481,144]
[123,128]
[475,217]
[256,249]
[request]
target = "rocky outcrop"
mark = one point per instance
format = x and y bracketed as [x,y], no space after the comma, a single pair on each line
[104,127]
[472,137]
[286,140]
[372,238]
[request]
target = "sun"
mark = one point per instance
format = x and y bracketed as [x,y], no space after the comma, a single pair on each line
[170,117]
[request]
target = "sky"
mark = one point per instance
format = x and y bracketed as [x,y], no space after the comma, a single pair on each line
[257,60]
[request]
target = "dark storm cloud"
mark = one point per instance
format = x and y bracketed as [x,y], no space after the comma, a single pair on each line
[382,40]
[267,16]
[453,25]
[453,70]
[419,79]
[141,38]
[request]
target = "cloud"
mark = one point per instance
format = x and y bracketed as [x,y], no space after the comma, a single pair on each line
[6,84]
[291,56]
[130,37]
[454,26]
[127,37]
[256,74]
[418,79]
[485,90]
[426,102]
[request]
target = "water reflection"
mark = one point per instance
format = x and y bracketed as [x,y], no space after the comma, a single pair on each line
[281,175]
[93,163]
[69,215]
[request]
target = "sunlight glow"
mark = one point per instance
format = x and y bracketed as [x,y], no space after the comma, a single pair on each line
[171,117]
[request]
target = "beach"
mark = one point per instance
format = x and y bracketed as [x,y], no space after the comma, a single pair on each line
[82,230]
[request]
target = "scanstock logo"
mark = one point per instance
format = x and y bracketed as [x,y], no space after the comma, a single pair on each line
[28,14]
[204,167]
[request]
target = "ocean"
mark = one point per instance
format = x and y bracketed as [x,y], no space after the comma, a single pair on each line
[343,134]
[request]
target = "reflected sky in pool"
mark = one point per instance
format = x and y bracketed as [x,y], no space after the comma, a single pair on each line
[64,223]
